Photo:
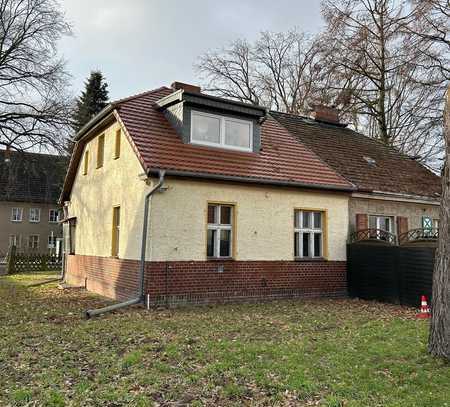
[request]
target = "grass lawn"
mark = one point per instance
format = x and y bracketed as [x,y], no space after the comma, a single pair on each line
[290,353]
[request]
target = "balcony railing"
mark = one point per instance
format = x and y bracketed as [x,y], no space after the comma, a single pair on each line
[419,235]
[373,235]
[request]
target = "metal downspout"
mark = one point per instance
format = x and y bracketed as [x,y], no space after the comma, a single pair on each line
[94,312]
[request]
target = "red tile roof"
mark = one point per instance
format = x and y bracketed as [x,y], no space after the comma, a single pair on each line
[348,152]
[282,157]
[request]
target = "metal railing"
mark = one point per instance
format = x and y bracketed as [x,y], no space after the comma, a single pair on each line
[373,235]
[419,235]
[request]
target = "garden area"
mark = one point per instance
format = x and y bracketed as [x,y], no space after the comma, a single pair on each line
[283,353]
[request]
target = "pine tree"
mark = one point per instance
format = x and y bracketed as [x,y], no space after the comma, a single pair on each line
[92,100]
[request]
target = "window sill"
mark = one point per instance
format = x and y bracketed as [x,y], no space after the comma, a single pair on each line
[310,259]
[220,259]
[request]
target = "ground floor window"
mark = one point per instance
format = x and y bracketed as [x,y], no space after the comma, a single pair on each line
[115,232]
[33,242]
[15,240]
[308,234]
[382,223]
[220,231]
[52,242]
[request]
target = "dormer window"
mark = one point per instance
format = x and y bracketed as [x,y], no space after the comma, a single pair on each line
[221,131]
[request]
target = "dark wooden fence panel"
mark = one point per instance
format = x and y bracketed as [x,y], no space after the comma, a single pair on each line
[393,274]
[416,273]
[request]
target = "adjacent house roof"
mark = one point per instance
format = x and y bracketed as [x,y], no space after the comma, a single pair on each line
[282,159]
[31,177]
[370,165]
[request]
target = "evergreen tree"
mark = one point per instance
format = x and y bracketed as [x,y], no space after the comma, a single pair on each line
[92,100]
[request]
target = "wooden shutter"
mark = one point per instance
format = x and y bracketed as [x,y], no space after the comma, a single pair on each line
[402,225]
[361,221]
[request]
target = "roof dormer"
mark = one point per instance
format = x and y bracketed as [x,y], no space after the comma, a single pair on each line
[211,121]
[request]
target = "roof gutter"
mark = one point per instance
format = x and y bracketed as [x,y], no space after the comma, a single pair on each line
[202,175]
[93,312]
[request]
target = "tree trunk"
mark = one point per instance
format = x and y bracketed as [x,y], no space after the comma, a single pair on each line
[439,340]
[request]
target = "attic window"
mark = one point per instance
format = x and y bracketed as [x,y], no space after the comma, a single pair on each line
[221,131]
[371,161]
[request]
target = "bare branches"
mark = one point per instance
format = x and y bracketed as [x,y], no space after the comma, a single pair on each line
[34,106]
[278,70]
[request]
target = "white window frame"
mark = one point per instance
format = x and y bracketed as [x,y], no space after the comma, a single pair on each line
[300,230]
[218,227]
[49,244]
[15,240]
[19,211]
[38,215]
[378,224]
[37,242]
[50,217]
[221,143]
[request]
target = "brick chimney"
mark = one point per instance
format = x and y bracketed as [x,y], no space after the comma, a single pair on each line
[186,86]
[325,114]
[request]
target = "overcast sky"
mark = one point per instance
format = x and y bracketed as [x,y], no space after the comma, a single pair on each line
[143,44]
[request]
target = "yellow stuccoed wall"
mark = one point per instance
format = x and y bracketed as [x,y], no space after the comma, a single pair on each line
[94,195]
[264,215]
[264,219]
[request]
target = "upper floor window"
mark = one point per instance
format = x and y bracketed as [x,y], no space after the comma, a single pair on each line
[220,231]
[86,162]
[117,144]
[53,215]
[35,215]
[221,131]
[16,214]
[308,234]
[100,150]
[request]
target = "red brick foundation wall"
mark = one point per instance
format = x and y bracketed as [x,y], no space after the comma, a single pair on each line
[209,281]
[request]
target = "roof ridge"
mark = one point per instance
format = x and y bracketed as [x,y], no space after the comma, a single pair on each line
[137,95]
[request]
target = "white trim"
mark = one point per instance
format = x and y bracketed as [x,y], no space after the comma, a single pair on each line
[388,196]
[222,122]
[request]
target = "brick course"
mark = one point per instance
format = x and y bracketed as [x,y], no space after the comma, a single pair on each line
[199,282]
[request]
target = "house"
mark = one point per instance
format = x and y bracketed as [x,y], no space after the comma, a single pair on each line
[246,210]
[239,206]
[30,185]
[394,192]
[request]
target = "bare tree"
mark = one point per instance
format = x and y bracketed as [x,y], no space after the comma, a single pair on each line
[34,106]
[429,22]
[439,340]
[279,70]
[382,71]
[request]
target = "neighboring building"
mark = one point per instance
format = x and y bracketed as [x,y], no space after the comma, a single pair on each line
[248,208]
[30,185]
[394,192]
[247,211]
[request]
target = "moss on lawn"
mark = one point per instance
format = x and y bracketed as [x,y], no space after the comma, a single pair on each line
[312,352]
